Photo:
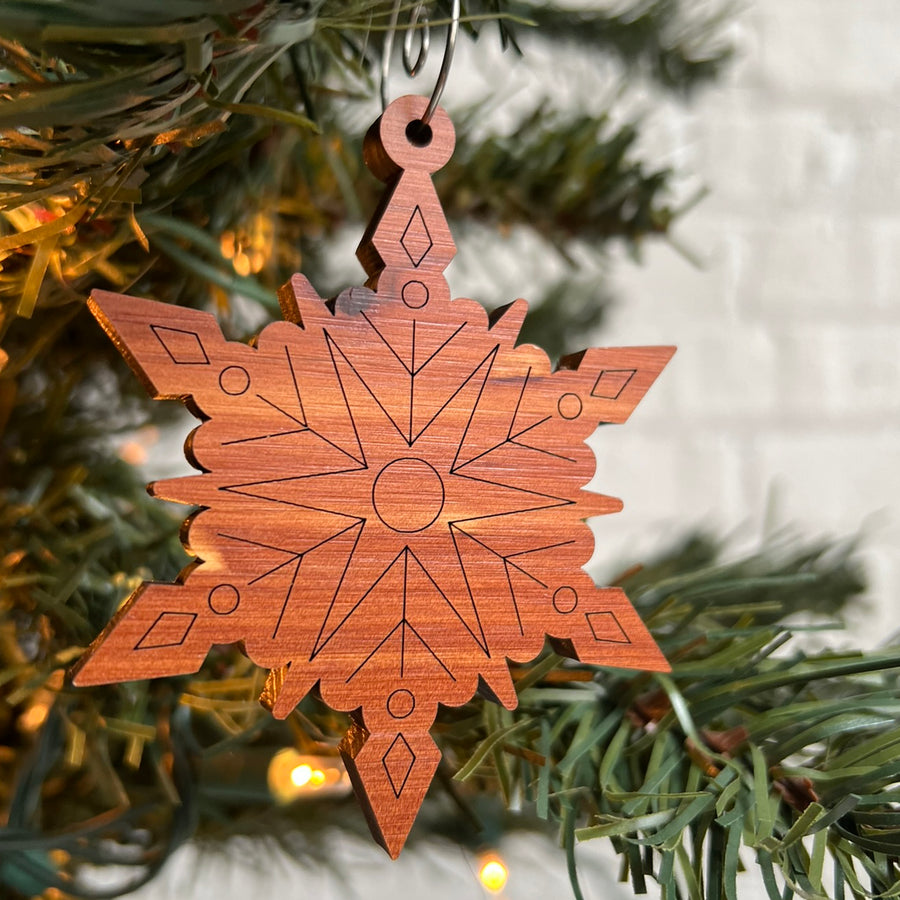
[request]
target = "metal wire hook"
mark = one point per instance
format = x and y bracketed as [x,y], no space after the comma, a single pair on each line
[413,69]
[449,47]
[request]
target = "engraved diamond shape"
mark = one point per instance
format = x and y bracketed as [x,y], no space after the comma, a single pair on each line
[611,382]
[398,763]
[169,630]
[184,347]
[605,627]
[416,240]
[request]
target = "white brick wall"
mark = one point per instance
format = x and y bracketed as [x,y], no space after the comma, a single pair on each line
[786,387]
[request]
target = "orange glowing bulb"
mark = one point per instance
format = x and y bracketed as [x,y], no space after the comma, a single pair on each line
[493,875]
[301,775]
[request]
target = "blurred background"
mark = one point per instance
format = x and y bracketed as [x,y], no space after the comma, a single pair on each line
[761,236]
[782,409]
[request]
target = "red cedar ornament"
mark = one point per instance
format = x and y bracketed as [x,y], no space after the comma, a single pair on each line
[391,498]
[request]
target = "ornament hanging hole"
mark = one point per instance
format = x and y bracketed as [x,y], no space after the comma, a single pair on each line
[419,133]
[402,140]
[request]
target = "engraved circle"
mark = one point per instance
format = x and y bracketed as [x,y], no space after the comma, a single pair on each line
[408,495]
[565,599]
[234,380]
[401,703]
[414,294]
[224,599]
[570,406]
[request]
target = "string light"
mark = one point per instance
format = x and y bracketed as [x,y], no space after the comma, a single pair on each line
[250,245]
[134,450]
[293,775]
[34,717]
[31,720]
[493,874]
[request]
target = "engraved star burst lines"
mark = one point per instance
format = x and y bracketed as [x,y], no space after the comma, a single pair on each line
[408,496]
[389,495]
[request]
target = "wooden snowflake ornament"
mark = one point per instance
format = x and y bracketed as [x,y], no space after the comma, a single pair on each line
[391,498]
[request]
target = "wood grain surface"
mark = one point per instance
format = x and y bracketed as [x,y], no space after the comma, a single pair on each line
[390,492]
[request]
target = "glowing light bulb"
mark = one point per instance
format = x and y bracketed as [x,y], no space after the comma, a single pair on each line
[242,264]
[34,717]
[133,453]
[293,776]
[227,245]
[493,875]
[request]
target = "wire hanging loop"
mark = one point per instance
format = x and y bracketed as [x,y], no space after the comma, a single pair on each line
[449,47]
[419,23]
[424,34]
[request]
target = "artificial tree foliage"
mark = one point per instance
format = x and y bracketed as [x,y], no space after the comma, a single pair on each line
[198,151]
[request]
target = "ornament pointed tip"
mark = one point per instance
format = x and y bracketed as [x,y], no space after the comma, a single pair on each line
[391,772]
[506,321]
[300,302]
[190,490]
[285,687]
[393,849]
[391,842]
[498,687]
[84,674]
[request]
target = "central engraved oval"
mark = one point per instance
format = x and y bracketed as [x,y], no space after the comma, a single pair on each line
[408,495]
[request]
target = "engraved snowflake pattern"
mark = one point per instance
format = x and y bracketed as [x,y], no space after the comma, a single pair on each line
[391,496]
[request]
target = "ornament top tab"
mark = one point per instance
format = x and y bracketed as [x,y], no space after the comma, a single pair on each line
[408,246]
[391,492]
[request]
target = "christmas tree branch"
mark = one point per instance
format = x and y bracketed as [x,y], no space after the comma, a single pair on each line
[115,120]
[678,49]
[750,747]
